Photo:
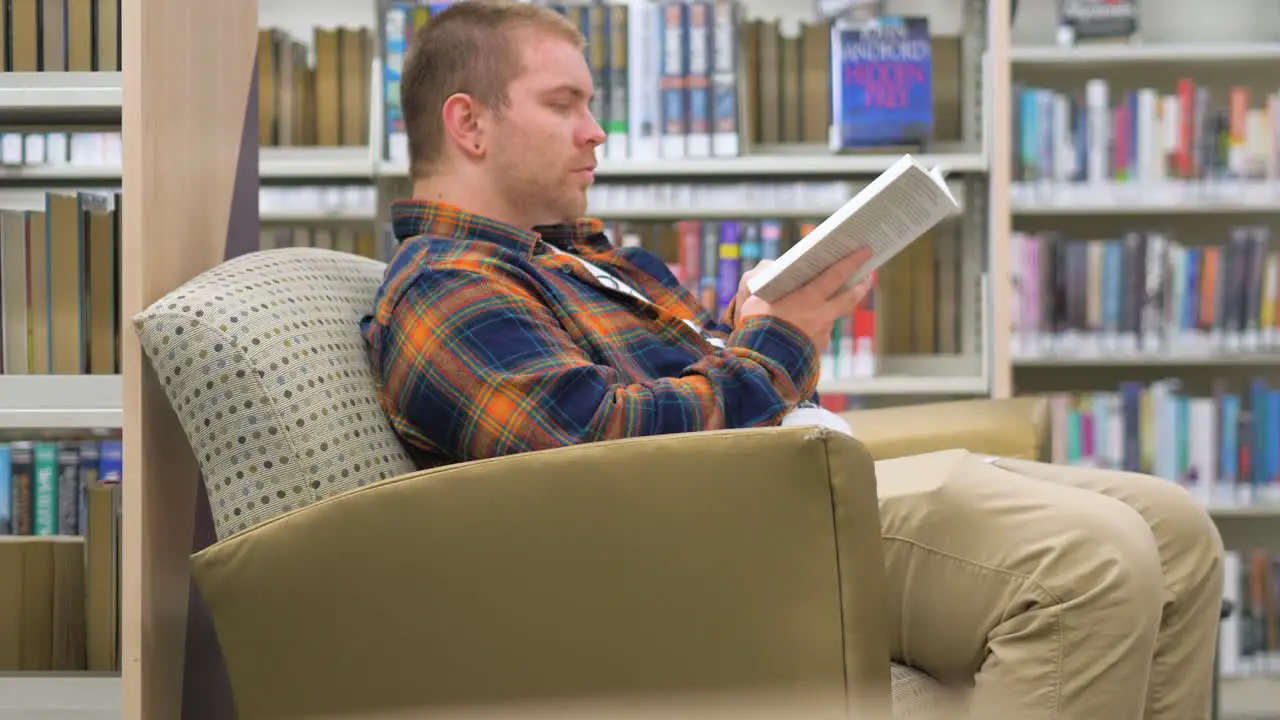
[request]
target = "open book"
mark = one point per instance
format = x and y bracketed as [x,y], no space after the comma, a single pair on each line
[902,204]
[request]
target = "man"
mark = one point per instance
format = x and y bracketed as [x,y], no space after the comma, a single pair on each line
[506,325]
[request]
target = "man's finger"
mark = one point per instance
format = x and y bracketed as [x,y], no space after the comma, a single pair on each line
[755,269]
[830,281]
[851,296]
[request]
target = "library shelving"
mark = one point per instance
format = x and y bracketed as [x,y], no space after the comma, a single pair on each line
[1145,182]
[62,421]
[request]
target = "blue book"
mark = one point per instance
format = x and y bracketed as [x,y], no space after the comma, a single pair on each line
[882,84]
[6,492]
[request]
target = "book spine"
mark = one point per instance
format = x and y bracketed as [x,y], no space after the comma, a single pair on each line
[725,128]
[68,481]
[45,490]
[710,276]
[395,27]
[644,71]
[6,491]
[617,125]
[675,62]
[22,480]
[698,78]
[730,265]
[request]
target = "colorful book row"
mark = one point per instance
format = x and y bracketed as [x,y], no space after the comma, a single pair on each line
[1144,292]
[1145,136]
[1223,447]
[43,483]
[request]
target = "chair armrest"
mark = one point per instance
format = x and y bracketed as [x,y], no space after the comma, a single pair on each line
[1015,427]
[703,563]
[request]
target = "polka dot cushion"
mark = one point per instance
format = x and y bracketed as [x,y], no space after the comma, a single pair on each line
[263,362]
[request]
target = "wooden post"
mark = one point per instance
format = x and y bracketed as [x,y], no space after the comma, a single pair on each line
[189,85]
[1000,121]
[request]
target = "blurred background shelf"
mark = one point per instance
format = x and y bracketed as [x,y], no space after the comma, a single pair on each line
[1090,56]
[60,98]
[68,402]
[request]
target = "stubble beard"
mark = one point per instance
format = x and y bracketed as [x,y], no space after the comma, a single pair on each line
[540,194]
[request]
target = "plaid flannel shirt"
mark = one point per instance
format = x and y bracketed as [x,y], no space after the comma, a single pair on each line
[485,341]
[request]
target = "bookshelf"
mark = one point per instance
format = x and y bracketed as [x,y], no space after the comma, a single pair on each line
[1151,193]
[66,419]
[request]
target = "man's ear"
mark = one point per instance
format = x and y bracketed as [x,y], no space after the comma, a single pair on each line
[463,124]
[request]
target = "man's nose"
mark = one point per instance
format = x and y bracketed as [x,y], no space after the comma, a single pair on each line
[594,133]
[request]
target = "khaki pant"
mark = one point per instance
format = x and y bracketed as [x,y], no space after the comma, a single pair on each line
[1055,592]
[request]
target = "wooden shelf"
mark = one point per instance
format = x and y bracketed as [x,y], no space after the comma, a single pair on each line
[63,696]
[60,98]
[779,165]
[1169,359]
[907,385]
[1093,55]
[60,402]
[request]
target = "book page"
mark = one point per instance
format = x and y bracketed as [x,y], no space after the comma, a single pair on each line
[886,223]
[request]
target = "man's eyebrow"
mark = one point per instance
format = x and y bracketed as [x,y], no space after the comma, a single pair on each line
[573,90]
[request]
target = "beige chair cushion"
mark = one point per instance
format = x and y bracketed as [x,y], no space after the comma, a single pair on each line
[263,361]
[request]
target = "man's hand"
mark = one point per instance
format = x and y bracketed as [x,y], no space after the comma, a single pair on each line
[743,291]
[813,308]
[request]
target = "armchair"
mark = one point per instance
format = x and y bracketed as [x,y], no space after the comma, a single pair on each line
[346,582]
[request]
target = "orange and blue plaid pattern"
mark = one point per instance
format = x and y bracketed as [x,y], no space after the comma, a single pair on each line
[485,342]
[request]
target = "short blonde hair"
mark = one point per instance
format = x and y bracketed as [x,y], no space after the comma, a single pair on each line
[469,48]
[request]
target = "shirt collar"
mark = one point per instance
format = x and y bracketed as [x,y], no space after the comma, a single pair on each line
[410,218]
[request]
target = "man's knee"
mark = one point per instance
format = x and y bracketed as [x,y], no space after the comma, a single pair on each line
[1114,558]
[1192,545]
[1189,544]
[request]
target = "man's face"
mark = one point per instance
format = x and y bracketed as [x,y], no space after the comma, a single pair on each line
[544,141]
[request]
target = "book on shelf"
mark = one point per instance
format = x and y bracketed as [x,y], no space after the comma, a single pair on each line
[58,148]
[691,78]
[895,209]
[1147,136]
[59,286]
[882,84]
[1145,292]
[1096,21]
[325,103]
[67,36]
[53,492]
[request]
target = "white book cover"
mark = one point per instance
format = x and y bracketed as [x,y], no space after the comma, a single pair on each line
[889,214]
[644,59]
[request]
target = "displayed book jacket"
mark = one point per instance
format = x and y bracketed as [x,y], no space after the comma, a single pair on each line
[900,205]
[881,84]
[1096,20]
